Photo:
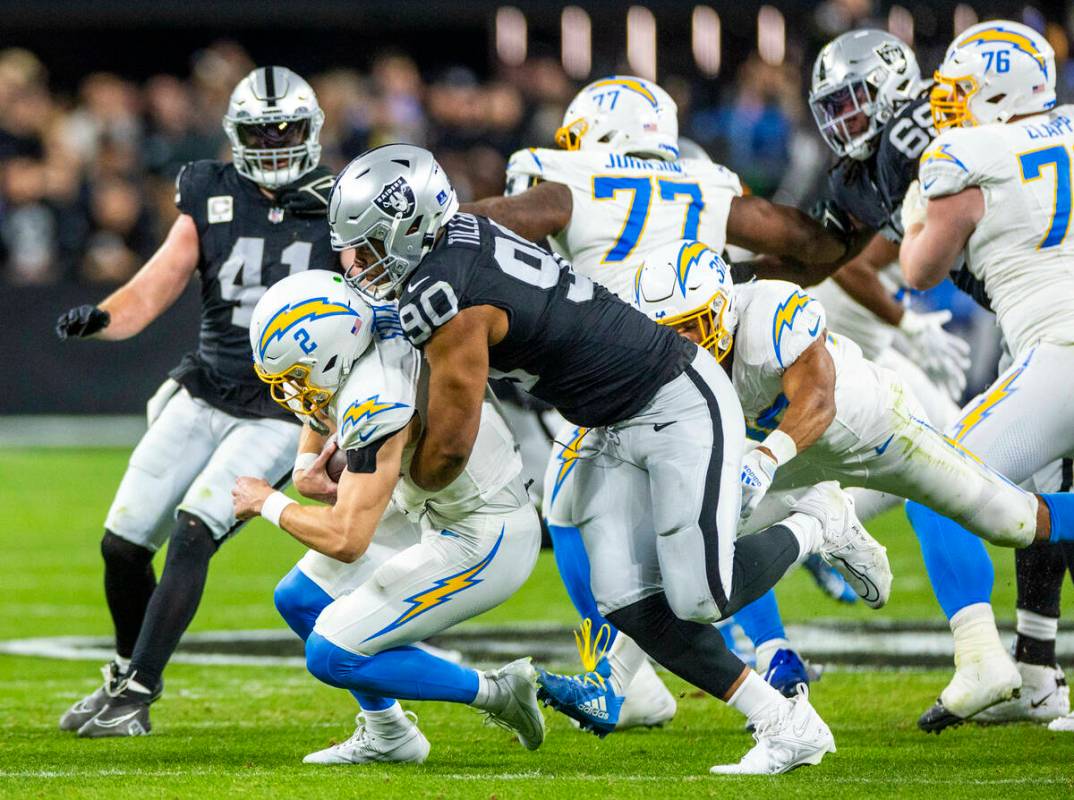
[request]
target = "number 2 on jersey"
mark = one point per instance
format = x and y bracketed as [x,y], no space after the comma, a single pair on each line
[605,187]
[1057,157]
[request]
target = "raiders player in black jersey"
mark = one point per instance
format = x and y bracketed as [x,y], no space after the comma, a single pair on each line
[873,111]
[479,300]
[242,227]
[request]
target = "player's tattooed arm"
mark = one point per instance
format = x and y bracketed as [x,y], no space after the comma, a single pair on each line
[764,227]
[458,356]
[809,386]
[342,531]
[859,279]
[156,285]
[537,213]
[929,249]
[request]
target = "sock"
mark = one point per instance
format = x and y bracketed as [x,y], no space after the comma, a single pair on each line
[129,582]
[1061,510]
[755,698]
[176,599]
[300,601]
[974,630]
[1036,638]
[808,532]
[124,664]
[761,622]
[404,672]
[957,563]
[572,560]
[762,654]
[625,659]
[486,689]
[386,722]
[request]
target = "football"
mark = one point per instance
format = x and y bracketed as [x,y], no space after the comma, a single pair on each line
[336,464]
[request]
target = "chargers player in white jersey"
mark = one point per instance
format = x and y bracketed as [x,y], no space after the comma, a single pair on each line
[389,564]
[616,188]
[996,187]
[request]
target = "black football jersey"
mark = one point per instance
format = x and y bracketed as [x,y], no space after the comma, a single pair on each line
[872,190]
[246,244]
[570,342]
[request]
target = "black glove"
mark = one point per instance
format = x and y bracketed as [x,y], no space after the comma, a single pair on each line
[81,321]
[308,196]
[834,220]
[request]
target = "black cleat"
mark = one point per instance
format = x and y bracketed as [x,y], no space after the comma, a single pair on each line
[126,712]
[88,707]
[938,718]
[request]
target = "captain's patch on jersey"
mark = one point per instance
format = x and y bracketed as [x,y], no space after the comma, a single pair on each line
[396,199]
[220,208]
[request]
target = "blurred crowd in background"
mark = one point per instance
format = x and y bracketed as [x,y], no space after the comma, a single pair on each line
[86,177]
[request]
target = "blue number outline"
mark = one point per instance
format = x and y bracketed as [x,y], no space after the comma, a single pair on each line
[605,187]
[1031,163]
[669,190]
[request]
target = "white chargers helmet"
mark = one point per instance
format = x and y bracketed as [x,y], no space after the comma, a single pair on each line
[686,285]
[273,121]
[306,333]
[388,204]
[860,80]
[622,114]
[992,72]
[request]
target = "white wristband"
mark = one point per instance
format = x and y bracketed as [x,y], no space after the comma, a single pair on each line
[303,461]
[781,446]
[273,507]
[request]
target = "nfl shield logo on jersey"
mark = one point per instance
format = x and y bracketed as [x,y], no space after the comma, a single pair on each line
[396,199]
[275,215]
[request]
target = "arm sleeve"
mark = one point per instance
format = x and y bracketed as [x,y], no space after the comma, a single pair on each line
[364,459]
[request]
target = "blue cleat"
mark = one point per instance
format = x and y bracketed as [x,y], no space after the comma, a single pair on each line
[829,580]
[786,672]
[587,698]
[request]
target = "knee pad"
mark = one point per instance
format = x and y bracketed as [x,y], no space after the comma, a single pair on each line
[300,601]
[117,551]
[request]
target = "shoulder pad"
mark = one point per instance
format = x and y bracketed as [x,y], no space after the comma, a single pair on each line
[780,321]
[376,400]
[463,230]
[571,168]
[194,185]
[370,418]
[713,174]
[947,166]
[529,161]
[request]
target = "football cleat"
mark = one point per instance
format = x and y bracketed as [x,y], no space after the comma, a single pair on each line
[829,580]
[648,703]
[980,681]
[786,672]
[90,705]
[847,546]
[514,705]
[365,747]
[793,735]
[587,698]
[1062,724]
[1044,696]
[126,712]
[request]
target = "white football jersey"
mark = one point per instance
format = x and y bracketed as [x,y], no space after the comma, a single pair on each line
[1020,248]
[850,318]
[777,321]
[624,206]
[384,390]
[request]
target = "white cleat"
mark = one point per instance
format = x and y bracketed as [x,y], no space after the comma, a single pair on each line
[514,706]
[1063,724]
[648,702]
[364,747]
[1045,696]
[793,736]
[847,546]
[980,681]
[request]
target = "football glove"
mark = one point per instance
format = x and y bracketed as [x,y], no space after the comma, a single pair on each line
[758,470]
[834,220]
[308,196]
[942,355]
[81,321]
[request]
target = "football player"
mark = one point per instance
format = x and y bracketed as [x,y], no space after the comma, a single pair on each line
[667,436]
[617,187]
[873,110]
[322,352]
[996,188]
[242,226]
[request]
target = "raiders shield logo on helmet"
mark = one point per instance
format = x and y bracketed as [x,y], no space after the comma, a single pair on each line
[396,199]
[891,55]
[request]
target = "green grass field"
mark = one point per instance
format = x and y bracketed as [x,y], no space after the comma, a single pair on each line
[227,730]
